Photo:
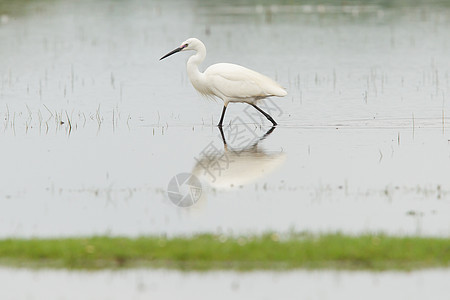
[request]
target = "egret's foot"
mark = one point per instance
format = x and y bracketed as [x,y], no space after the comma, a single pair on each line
[268,117]
[265,114]
[223,137]
[221,117]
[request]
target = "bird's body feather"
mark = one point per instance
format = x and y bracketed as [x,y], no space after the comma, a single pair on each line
[234,83]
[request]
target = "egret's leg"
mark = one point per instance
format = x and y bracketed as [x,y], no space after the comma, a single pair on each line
[265,114]
[223,115]
[223,137]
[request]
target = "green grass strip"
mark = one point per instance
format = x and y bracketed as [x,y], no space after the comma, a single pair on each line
[206,252]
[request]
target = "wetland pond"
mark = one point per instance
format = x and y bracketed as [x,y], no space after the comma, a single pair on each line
[94,127]
[167,284]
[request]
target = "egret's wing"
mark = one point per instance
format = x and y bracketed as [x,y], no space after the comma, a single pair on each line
[234,81]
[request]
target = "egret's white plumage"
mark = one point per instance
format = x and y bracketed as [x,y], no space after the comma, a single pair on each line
[229,82]
[239,84]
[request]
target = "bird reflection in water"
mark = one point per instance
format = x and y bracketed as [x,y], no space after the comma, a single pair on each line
[236,166]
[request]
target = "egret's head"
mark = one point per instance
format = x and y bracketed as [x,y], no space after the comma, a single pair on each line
[189,44]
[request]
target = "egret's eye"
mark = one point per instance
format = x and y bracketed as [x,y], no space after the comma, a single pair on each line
[185,45]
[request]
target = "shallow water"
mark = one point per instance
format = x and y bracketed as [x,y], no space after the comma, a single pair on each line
[164,284]
[94,126]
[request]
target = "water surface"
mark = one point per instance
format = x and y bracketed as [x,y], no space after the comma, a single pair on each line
[164,284]
[94,126]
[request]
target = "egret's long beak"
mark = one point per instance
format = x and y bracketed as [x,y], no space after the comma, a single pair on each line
[172,52]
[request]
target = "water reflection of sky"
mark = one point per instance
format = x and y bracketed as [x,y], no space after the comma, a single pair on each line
[144,284]
[363,132]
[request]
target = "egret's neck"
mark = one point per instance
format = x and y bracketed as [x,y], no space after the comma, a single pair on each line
[193,62]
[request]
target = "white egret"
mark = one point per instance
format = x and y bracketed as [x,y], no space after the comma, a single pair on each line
[229,82]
